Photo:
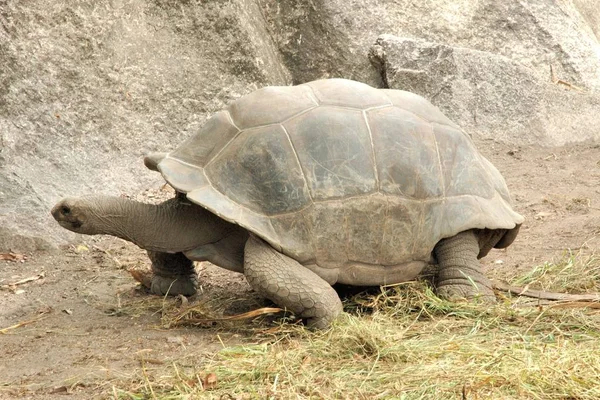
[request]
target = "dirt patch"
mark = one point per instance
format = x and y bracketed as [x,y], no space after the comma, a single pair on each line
[558,192]
[85,330]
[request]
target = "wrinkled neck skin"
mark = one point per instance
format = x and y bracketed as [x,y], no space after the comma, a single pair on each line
[172,226]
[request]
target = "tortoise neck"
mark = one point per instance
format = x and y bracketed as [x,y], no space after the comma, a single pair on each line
[172,226]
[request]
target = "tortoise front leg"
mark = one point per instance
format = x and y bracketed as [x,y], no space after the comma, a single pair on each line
[459,271]
[174,274]
[289,284]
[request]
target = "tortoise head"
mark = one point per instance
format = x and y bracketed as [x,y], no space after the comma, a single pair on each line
[77,215]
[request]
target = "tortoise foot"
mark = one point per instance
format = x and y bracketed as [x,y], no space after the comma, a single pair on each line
[174,274]
[466,291]
[186,285]
[460,276]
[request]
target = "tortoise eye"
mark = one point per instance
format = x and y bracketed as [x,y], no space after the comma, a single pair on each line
[65,210]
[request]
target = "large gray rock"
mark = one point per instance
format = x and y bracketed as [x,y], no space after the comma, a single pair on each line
[489,95]
[590,12]
[321,38]
[87,88]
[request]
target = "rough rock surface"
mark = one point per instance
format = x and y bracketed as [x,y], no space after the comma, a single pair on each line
[87,88]
[331,38]
[488,94]
[590,12]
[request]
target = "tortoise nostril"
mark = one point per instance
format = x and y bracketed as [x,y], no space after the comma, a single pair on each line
[65,210]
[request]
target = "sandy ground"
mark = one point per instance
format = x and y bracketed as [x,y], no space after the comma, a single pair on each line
[83,333]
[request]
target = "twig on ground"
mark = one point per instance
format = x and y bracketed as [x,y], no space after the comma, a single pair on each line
[237,317]
[13,257]
[12,285]
[540,294]
[24,323]
[142,275]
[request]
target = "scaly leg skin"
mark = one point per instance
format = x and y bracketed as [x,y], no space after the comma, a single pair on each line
[290,285]
[174,274]
[459,272]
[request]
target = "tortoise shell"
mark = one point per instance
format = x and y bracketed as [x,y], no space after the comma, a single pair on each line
[335,172]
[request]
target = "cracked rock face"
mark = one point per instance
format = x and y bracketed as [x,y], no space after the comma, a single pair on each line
[489,95]
[87,89]
[332,38]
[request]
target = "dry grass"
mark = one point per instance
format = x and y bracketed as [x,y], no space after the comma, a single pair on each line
[576,272]
[405,343]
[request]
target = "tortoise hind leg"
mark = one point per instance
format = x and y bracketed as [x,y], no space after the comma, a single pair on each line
[459,272]
[289,284]
[174,274]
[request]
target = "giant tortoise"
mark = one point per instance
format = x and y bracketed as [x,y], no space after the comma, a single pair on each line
[301,187]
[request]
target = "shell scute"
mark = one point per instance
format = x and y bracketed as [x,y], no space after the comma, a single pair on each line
[462,169]
[405,151]
[419,106]
[345,93]
[334,149]
[400,232]
[271,105]
[200,148]
[259,171]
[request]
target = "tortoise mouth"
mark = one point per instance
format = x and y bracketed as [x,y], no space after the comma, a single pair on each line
[70,225]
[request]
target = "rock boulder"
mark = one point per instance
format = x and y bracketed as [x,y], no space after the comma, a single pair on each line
[490,95]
